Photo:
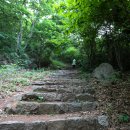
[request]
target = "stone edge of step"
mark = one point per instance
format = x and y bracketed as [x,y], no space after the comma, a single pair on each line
[53,107]
[58,124]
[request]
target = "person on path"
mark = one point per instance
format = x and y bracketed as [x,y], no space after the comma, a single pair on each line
[73,63]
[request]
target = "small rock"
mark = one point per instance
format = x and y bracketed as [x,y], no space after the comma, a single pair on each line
[89,106]
[1,96]
[103,120]
[17,97]
[1,112]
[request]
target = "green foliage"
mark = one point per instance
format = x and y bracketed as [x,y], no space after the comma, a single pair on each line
[23,81]
[9,68]
[70,53]
[106,21]
[123,118]
[40,99]
[116,76]
[27,30]
[57,64]
[19,59]
[93,31]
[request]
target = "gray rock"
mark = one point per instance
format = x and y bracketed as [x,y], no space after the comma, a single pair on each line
[45,83]
[44,89]
[50,108]
[85,97]
[27,108]
[1,112]
[17,97]
[22,108]
[56,125]
[68,97]
[104,71]
[34,96]
[89,106]
[66,123]
[12,125]
[17,125]
[82,124]
[123,128]
[71,107]
[1,97]
[64,90]
[35,126]
[89,90]
[103,120]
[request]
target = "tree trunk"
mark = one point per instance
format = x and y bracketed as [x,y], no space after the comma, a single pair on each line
[118,56]
[31,30]
[19,37]
[30,34]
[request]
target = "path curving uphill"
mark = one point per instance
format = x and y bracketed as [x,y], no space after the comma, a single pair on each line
[62,101]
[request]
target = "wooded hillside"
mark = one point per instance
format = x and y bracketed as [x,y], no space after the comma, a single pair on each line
[38,33]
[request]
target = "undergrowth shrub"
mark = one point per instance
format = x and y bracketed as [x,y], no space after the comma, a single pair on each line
[57,64]
[13,78]
[116,76]
[71,53]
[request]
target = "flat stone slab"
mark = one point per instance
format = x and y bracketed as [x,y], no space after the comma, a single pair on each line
[59,82]
[45,83]
[54,96]
[63,88]
[121,128]
[46,96]
[41,97]
[85,97]
[23,107]
[52,123]
[48,88]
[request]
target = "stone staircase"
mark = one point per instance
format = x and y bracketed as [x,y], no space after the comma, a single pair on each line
[63,101]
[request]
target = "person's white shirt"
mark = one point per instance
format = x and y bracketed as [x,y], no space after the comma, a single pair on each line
[74,62]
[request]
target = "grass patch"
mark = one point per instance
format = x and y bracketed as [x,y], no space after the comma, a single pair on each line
[13,78]
[58,64]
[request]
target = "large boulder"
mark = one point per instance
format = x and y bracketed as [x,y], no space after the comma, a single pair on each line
[103,71]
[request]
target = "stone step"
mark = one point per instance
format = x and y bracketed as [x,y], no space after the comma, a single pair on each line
[45,83]
[62,79]
[46,96]
[41,97]
[85,97]
[60,82]
[54,96]
[69,77]
[23,107]
[48,88]
[73,74]
[57,122]
[63,89]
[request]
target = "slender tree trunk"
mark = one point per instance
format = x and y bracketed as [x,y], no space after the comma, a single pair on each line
[31,30]
[118,56]
[30,34]
[19,36]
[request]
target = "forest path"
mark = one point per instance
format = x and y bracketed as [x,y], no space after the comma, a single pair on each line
[62,101]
